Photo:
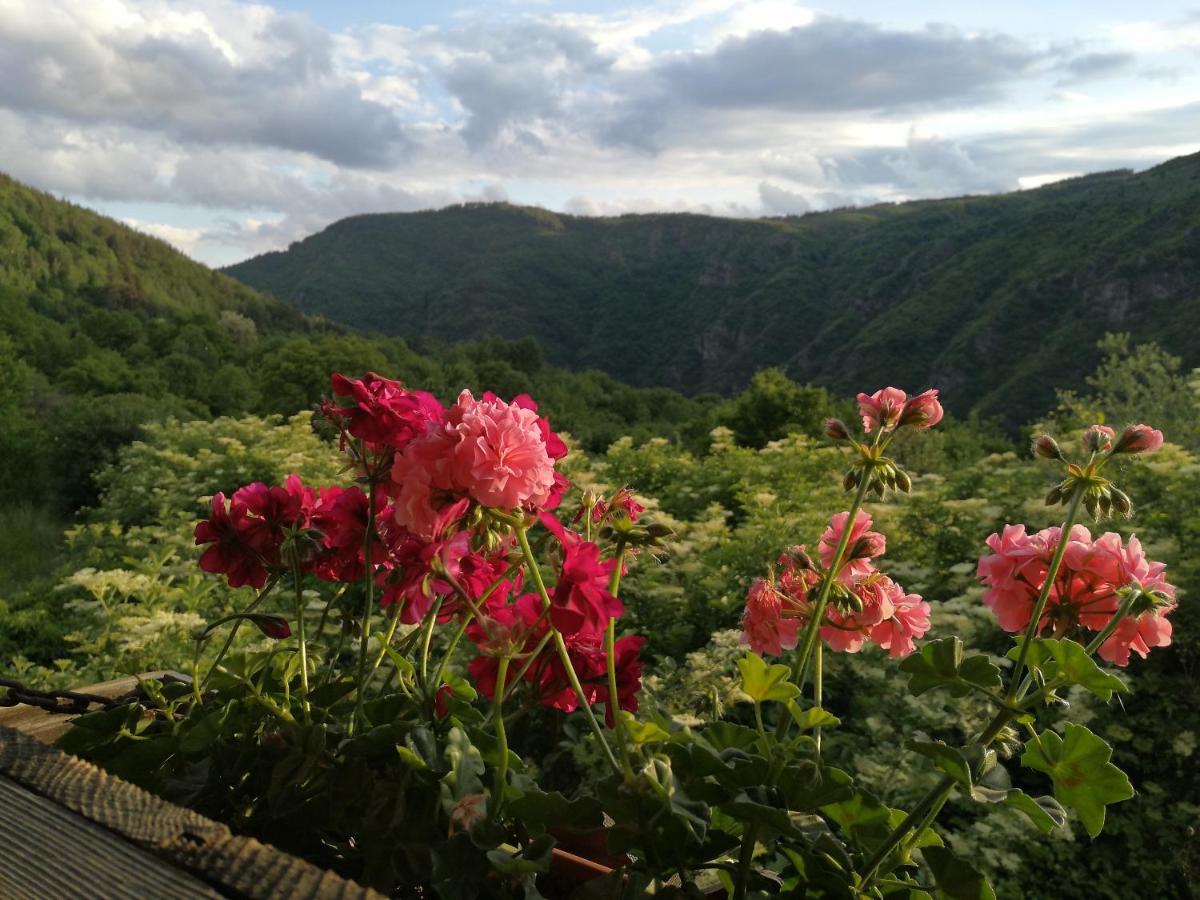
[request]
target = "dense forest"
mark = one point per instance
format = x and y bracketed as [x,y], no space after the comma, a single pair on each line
[998,299]
[139,384]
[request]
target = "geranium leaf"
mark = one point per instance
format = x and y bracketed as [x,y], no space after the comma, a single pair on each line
[813,717]
[1083,777]
[946,758]
[761,682]
[956,878]
[941,663]
[1059,657]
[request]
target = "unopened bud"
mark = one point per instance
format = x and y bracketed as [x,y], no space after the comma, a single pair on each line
[1121,502]
[850,482]
[1098,439]
[1055,496]
[1047,448]
[1139,439]
[903,482]
[1092,505]
[836,430]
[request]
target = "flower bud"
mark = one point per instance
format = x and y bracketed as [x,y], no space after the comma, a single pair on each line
[850,482]
[1047,448]
[1098,439]
[1139,439]
[1121,502]
[836,430]
[1055,496]
[272,626]
[903,482]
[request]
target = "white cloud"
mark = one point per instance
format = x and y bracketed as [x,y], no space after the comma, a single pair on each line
[262,126]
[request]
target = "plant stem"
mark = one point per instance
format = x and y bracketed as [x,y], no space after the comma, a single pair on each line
[744,860]
[818,684]
[801,660]
[560,645]
[426,639]
[501,736]
[368,606]
[299,584]
[610,644]
[267,588]
[196,674]
[387,642]
[1039,607]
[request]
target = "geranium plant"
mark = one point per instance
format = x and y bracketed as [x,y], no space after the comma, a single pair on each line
[408,732]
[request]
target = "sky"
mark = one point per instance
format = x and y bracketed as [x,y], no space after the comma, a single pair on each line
[230,128]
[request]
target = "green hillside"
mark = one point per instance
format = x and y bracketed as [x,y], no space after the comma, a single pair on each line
[103,329]
[993,299]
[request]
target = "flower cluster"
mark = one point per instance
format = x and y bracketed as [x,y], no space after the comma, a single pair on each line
[433,474]
[1095,575]
[891,408]
[865,605]
[262,530]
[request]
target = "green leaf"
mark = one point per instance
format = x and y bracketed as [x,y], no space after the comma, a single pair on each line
[941,663]
[995,786]
[1059,657]
[956,878]
[545,809]
[813,717]
[1045,812]
[1083,777]
[761,682]
[643,732]
[946,758]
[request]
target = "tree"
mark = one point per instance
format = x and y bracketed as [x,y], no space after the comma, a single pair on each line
[773,406]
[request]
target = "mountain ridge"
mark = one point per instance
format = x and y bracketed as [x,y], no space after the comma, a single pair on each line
[915,293]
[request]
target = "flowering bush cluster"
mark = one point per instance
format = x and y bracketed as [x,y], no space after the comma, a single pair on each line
[379,760]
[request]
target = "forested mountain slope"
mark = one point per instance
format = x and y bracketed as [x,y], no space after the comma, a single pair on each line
[993,299]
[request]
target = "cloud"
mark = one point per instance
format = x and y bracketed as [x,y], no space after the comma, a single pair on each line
[829,67]
[1090,66]
[843,65]
[779,201]
[218,74]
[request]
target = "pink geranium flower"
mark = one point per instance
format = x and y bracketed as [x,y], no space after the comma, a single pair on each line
[581,602]
[763,626]
[909,619]
[499,457]
[881,409]
[383,412]
[922,411]
[863,546]
[237,546]
[1137,634]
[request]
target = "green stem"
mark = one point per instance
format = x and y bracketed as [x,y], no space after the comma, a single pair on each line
[501,736]
[299,585]
[368,607]
[196,673]
[801,660]
[337,652]
[426,639]
[1039,607]
[387,642]
[560,645]
[267,588]
[610,645]
[745,859]
[440,671]
[818,684]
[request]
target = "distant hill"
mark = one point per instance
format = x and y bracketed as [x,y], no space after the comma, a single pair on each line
[103,329]
[997,300]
